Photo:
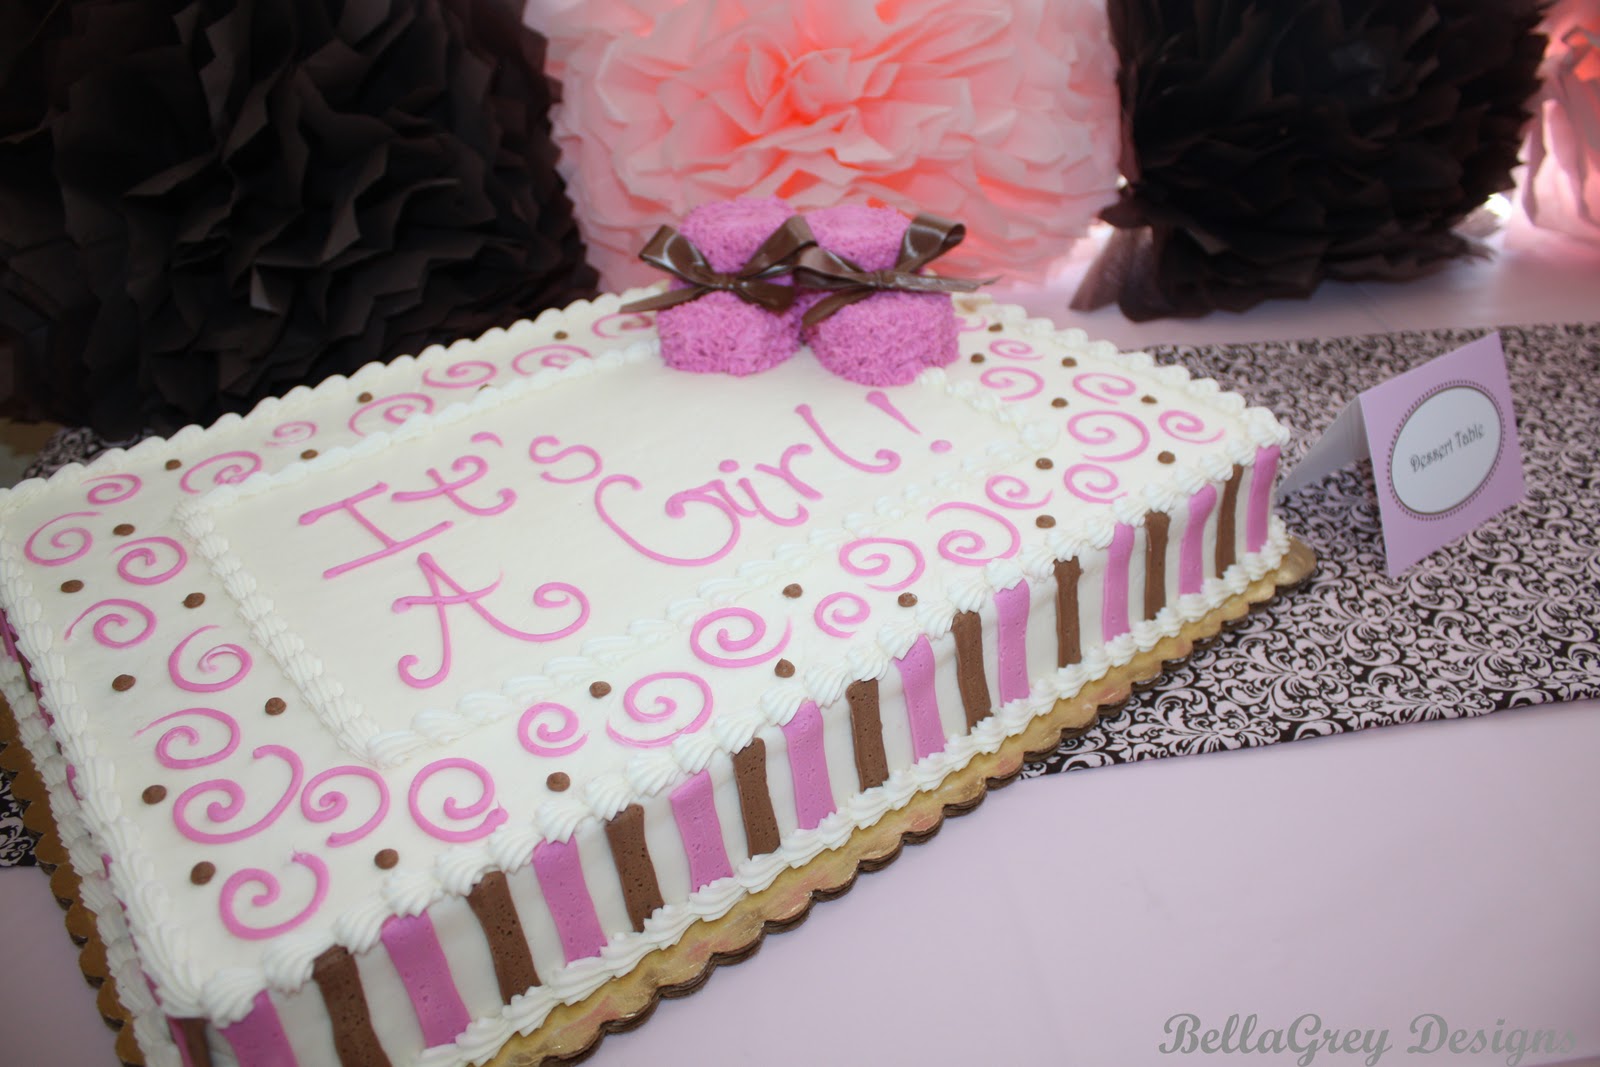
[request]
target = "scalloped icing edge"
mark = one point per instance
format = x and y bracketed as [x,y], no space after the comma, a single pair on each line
[573,1030]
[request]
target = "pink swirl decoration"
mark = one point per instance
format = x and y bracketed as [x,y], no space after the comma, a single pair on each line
[208,664]
[226,468]
[268,895]
[552,356]
[837,610]
[1007,348]
[116,617]
[550,738]
[665,709]
[141,560]
[392,410]
[1009,491]
[966,546]
[222,811]
[332,804]
[292,433]
[463,375]
[1092,482]
[619,323]
[73,540]
[873,557]
[971,323]
[1011,378]
[188,735]
[1186,426]
[453,809]
[113,489]
[1106,388]
[727,643]
[1101,429]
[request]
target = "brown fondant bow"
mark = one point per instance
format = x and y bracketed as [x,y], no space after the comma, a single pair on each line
[926,239]
[752,283]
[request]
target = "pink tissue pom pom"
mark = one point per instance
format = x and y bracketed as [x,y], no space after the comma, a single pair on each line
[1002,114]
[1562,188]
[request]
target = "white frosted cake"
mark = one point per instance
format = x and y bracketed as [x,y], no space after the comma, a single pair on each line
[382,722]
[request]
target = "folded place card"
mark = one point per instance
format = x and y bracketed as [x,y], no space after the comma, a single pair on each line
[1443,444]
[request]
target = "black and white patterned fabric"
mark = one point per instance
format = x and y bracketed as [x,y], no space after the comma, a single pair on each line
[1506,617]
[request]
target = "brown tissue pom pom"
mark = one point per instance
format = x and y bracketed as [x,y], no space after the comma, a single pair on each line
[206,203]
[1268,146]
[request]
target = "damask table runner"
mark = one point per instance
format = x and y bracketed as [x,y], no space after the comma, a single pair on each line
[1506,617]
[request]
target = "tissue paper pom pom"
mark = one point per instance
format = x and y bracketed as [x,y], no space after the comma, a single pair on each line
[1562,188]
[1000,113]
[1272,145]
[205,203]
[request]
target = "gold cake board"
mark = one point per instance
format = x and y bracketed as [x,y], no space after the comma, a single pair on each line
[572,1031]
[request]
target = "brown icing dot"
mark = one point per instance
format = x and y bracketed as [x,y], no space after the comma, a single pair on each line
[1044,522]
[202,872]
[995,327]
[792,591]
[977,357]
[153,794]
[122,683]
[174,464]
[558,782]
[309,453]
[561,335]
[1068,361]
[276,706]
[783,669]
[1059,402]
[1165,457]
[1043,463]
[1147,399]
[122,529]
[908,600]
[599,689]
[71,585]
[386,858]
[363,398]
[194,600]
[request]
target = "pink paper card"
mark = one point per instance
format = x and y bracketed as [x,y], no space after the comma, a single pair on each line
[1444,448]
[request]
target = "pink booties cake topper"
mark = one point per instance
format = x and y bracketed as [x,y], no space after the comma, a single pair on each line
[732,307]
[868,313]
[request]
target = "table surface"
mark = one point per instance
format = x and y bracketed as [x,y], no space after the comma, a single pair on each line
[1412,877]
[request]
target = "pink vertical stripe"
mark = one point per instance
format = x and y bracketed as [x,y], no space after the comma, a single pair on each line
[560,873]
[808,766]
[695,808]
[258,1039]
[1114,595]
[414,949]
[1191,556]
[1266,472]
[1011,639]
[922,705]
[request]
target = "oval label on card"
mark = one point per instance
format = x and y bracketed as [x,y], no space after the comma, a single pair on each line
[1445,450]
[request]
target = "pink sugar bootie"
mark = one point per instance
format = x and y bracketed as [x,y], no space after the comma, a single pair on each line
[719,331]
[889,337]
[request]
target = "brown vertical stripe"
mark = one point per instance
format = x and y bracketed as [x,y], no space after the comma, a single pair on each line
[336,975]
[193,1032]
[490,900]
[866,730]
[970,677]
[755,802]
[1156,526]
[1225,521]
[640,891]
[1068,648]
